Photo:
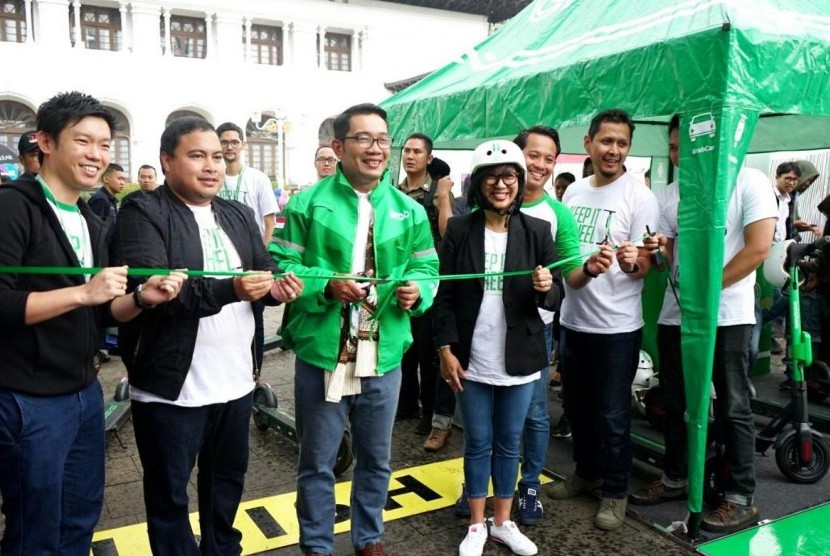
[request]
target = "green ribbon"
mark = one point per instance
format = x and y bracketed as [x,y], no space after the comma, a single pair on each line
[75,270]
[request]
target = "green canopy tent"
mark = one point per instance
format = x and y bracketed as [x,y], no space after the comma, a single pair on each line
[745,76]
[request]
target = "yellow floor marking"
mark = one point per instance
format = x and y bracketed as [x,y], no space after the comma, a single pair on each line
[269,523]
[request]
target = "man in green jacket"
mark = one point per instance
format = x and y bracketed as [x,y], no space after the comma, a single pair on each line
[350,335]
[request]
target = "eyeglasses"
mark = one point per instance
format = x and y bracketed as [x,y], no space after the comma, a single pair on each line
[507,178]
[325,160]
[231,143]
[791,180]
[366,141]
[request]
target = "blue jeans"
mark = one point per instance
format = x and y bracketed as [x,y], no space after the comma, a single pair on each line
[536,436]
[170,441]
[494,417]
[51,470]
[597,372]
[320,426]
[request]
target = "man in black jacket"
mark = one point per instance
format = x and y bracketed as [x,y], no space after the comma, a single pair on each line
[103,202]
[190,363]
[51,405]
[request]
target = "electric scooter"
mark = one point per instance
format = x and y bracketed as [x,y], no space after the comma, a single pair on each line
[800,452]
[268,414]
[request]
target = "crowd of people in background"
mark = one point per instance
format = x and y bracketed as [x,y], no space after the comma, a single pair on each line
[377,337]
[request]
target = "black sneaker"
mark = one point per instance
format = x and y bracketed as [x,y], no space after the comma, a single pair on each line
[656,493]
[729,517]
[530,507]
[786,384]
[562,429]
[462,505]
[424,426]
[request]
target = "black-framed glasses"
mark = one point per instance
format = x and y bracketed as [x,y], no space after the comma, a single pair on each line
[507,178]
[365,141]
[231,143]
[791,180]
[325,160]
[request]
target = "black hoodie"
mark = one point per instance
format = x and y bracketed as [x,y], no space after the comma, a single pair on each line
[53,357]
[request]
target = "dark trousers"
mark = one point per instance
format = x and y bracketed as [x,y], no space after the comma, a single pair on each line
[674,392]
[170,441]
[597,372]
[733,414]
[420,355]
[51,471]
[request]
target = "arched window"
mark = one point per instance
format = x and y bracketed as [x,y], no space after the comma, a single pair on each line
[15,119]
[120,148]
[175,115]
[263,146]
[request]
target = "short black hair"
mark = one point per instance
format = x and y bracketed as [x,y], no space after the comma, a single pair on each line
[67,109]
[113,167]
[521,139]
[343,122]
[674,123]
[567,176]
[786,168]
[147,167]
[614,116]
[438,169]
[230,126]
[475,198]
[427,141]
[182,126]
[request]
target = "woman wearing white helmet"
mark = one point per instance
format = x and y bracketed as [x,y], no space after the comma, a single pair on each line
[478,322]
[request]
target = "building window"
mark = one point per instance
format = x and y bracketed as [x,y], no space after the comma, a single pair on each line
[188,36]
[263,146]
[120,146]
[12,21]
[266,44]
[100,27]
[338,51]
[15,119]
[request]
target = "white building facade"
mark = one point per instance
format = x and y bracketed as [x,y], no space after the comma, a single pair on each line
[278,68]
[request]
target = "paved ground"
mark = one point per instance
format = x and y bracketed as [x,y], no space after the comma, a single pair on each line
[565,530]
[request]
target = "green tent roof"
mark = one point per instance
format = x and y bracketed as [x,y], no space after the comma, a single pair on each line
[561,61]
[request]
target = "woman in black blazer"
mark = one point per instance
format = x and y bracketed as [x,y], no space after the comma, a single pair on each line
[490,333]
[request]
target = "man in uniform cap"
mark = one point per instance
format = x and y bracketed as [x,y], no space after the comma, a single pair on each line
[29,153]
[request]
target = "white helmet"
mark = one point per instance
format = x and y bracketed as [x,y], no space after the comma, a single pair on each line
[498,151]
[775,270]
[644,380]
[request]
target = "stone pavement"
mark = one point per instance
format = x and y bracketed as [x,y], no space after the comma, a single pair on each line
[566,529]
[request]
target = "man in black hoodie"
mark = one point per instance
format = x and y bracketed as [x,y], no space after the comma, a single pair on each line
[51,405]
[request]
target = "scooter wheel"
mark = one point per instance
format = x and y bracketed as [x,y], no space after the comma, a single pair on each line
[716,475]
[786,456]
[345,456]
[264,396]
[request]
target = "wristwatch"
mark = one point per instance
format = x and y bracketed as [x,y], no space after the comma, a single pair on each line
[138,301]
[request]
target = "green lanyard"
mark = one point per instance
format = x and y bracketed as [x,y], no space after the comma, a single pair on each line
[233,195]
[80,250]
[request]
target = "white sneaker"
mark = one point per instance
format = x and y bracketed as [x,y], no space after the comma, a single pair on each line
[473,543]
[508,534]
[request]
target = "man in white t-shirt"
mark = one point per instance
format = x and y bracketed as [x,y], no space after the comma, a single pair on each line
[250,187]
[191,364]
[750,224]
[602,322]
[247,185]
